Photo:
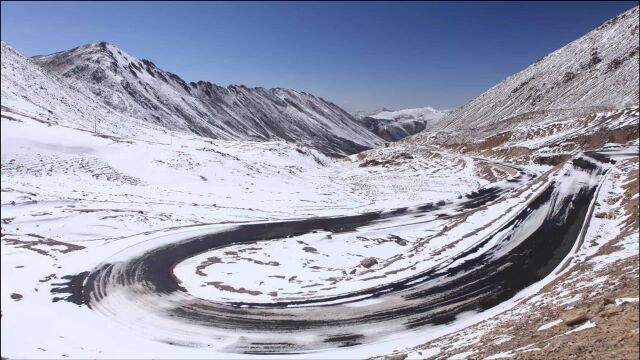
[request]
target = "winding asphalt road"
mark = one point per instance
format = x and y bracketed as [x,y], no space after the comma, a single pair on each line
[144,292]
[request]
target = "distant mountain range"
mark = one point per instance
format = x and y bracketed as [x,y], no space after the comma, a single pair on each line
[99,85]
[394,125]
[102,76]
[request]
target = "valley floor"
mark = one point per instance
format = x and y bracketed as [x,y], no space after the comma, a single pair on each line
[73,201]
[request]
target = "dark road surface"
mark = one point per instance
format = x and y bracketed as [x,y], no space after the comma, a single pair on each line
[518,254]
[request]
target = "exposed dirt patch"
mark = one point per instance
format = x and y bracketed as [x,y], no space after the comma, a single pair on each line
[203,265]
[552,160]
[605,136]
[492,172]
[260,262]
[310,249]
[220,286]
[494,141]
[368,262]
[42,245]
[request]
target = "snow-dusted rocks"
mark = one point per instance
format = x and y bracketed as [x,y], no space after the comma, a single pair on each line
[368,262]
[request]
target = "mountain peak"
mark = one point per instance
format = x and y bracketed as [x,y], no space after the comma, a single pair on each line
[138,88]
[100,45]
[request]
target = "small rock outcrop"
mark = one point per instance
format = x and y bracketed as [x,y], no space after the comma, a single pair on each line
[368,262]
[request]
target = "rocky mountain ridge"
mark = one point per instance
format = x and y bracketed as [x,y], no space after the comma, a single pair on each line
[137,88]
[595,73]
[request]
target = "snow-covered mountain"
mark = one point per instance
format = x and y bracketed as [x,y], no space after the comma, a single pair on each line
[138,89]
[597,72]
[393,125]
[426,113]
[30,90]
[362,114]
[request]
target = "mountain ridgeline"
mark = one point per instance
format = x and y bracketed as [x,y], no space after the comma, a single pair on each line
[99,85]
[597,72]
[139,89]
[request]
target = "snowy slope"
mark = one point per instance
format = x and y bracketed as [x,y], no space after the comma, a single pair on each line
[598,71]
[71,199]
[29,90]
[394,125]
[139,89]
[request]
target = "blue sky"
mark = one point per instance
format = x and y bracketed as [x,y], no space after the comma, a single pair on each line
[360,55]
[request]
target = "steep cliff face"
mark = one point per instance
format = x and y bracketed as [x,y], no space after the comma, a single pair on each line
[139,89]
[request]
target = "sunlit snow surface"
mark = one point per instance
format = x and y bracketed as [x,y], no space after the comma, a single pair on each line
[102,202]
[81,199]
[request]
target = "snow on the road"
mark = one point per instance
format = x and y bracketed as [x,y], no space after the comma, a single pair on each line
[71,198]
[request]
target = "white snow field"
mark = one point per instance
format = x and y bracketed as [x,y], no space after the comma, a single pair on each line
[72,199]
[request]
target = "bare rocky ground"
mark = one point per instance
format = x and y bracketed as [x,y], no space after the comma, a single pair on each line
[614,336]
